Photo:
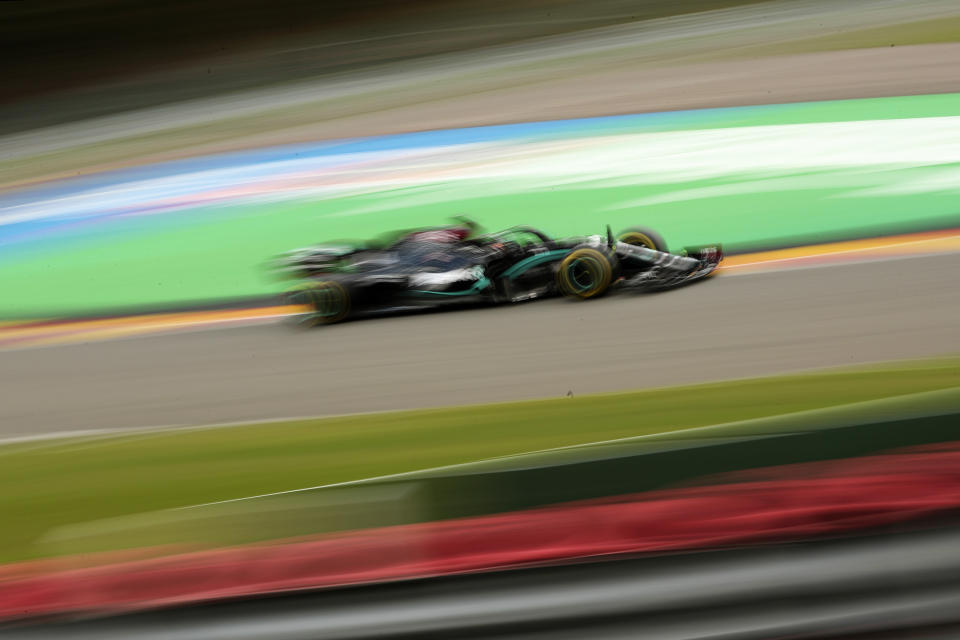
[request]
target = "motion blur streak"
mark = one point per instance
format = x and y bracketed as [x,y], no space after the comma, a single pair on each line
[740,425]
[774,504]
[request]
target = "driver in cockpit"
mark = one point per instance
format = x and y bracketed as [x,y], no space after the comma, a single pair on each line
[454,233]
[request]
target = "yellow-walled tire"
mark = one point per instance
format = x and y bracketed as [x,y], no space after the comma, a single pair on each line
[584,273]
[642,237]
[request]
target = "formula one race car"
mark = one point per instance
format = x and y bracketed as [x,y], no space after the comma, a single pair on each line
[433,267]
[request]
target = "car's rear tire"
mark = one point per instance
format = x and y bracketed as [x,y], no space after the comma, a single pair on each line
[586,272]
[321,302]
[643,237]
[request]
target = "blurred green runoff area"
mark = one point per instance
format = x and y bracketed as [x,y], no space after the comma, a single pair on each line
[206,230]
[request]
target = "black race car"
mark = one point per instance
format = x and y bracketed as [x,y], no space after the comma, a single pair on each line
[446,265]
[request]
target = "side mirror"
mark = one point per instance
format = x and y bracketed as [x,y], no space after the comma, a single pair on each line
[610,240]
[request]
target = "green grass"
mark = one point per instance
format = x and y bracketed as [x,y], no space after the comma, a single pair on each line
[51,484]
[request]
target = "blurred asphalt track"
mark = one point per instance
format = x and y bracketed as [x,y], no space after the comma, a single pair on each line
[728,327]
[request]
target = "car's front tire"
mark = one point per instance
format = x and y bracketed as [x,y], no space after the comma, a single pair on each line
[586,272]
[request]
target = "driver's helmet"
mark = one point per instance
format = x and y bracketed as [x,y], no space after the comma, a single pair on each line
[453,233]
[444,235]
[467,223]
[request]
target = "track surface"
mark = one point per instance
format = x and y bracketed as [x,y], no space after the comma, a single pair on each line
[730,326]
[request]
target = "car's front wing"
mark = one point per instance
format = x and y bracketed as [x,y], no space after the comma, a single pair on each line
[668,270]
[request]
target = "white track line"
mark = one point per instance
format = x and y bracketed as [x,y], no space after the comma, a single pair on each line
[659,435]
